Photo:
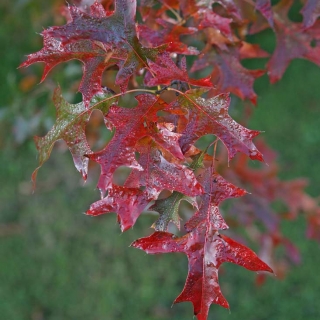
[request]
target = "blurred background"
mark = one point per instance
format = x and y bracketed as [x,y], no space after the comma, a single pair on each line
[57,263]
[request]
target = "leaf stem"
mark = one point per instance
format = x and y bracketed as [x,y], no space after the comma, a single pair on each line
[118,95]
[173,11]
[214,151]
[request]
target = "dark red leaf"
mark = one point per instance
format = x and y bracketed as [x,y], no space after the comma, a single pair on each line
[164,71]
[216,190]
[129,128]
[127,203]
[210,116]
[98,40]
[292,43]
[159,174]
[206,250]
[114,30]
[169,34]
[228,73]
[210,19]
[94,56]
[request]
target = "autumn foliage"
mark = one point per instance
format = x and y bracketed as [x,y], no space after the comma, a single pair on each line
[125,48]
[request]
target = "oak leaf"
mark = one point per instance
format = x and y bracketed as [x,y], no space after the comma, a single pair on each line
[210,116]
[128,203]
[206,250]
[228,73]
[159,174]
[216,190]
[99,39]
[70,126]
[165,71]
[130,126]
[169,34]
[168,210]
[94,56]
[292,42]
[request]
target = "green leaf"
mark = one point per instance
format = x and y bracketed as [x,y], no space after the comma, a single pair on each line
[169,210]
[70,127]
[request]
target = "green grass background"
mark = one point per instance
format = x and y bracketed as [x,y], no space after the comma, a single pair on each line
[58,264]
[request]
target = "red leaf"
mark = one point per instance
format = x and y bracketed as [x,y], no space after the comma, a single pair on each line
[98,40]
[94,56]
[159,174]
[292,43]
[206,250]
[170,35]
[210,19]
[216,190]
[129,128]
[210,116]
[229,74]
[114,30]
[165,71]
[127,203]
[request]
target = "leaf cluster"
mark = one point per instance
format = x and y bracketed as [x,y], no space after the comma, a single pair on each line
[157,138]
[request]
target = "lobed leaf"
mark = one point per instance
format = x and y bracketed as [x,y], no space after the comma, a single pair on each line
[206,250]
[228,73]
[70,126]
[113,30]
[169,35]
[126,202]
[210,116]
[129,128]
[159,174]
[94,56]
[99,40]
[292,43]
[165,71]
[216,190]
[168,210]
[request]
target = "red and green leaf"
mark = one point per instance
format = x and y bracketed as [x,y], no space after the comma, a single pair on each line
[70,126]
